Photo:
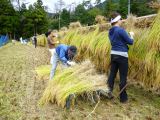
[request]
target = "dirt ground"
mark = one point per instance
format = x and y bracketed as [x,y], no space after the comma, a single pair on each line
[20,92]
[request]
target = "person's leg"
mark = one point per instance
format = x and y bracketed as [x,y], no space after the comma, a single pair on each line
[52,52]
[113,72]
[54,65]
[35,44]
[123,69]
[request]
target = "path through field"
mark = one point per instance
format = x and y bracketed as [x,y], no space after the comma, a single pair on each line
[20,92]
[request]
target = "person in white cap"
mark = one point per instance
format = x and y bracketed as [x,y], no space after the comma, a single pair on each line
[119,40]
[21,40]
[13,41]
[51,43]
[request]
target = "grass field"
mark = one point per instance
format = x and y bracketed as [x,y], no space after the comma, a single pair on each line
[20,92]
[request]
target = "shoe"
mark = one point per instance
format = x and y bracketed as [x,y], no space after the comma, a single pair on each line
[110,96]
[126,101]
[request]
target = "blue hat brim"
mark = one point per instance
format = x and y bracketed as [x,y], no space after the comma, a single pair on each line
[73,53]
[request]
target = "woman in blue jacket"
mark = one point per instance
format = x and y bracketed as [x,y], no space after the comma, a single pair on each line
[119,55]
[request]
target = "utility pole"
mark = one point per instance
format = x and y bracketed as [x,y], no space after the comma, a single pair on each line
[128,7]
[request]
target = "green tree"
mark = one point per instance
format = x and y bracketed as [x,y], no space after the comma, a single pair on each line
[36,19]
[54,24]
[23,9]
[92,14]
[123,8]
[6,15]
[143,10]
[80,14]
[15,24]
[108,8]
[65,18]
[28,23]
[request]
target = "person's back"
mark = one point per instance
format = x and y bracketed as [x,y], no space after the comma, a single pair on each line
[35,39]
[119,39]
[62,50]
[26,41]
[21,40]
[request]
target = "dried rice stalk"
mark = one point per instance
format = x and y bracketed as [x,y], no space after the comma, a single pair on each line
[75,25]
[64,29]
[80,79]
[100,19]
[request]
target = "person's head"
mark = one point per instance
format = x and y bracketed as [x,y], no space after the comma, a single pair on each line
[72,50]
[50,32]
[115,19]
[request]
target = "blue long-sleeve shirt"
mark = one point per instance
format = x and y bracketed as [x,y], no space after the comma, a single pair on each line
[119,39]
[62,52]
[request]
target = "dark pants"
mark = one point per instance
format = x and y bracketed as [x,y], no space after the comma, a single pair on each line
[35,44]
[121,63]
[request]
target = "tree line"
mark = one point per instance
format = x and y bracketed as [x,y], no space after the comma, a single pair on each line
[33,20]
[23,22]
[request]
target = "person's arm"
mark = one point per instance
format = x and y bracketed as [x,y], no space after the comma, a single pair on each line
[126,37]
[51,41]
[62,55]
[63,58]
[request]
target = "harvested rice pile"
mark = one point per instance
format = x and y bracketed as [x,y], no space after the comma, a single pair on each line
[80,79]
[75,25]
[100,19]
[44,71]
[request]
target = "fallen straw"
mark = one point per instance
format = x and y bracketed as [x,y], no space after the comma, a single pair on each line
[110,104]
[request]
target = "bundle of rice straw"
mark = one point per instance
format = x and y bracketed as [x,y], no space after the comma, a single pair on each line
[75,25]
[100,19]
[80,79]
[154,36]
[64,29]
[44,71]
[155,5]
[54,31]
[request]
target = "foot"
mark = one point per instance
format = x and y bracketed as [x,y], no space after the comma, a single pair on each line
[126,101]
[110,95]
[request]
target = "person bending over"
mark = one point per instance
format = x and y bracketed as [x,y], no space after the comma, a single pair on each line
[64,53]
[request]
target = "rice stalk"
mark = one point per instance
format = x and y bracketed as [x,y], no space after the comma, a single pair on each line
[78,80]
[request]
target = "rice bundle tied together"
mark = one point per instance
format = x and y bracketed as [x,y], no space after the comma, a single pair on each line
[80,79]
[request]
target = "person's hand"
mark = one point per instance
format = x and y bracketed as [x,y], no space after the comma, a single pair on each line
[57,42]
[131,33]
[56,35]
[71,63]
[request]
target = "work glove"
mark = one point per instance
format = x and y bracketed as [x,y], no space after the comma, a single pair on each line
[71,63]
[131,33]
[57,42]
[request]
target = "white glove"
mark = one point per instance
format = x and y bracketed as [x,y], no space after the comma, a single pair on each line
[57,42]
[56,35]
[131,33]
[71,63]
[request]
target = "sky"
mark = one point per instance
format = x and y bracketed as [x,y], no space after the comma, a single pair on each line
[50,3]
